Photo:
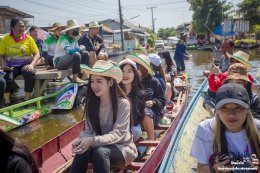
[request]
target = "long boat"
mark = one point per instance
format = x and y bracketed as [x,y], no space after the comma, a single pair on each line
[56,154]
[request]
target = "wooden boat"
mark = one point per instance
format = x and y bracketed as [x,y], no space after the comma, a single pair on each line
[21,113]
[56,154]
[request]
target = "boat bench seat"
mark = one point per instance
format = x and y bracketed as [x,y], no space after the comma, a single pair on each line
[44,76]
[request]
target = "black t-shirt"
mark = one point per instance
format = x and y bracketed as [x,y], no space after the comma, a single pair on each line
[90,43]
[14,164]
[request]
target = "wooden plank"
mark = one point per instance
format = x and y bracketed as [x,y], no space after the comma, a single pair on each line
[147,143]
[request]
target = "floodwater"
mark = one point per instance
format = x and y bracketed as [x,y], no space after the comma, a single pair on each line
[41,131]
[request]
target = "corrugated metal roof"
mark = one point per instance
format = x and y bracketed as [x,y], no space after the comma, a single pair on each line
[16,12]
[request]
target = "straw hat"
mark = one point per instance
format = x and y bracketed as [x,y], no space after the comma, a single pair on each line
[237,71]
[104,68]
[142,60]
[83,28]
[55,26]
[94,24]
[241,57]
[71,24]
[182,34]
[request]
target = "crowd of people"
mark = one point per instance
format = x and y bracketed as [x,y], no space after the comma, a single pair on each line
[126,98]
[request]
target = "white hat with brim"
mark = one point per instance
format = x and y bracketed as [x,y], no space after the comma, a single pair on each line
[127,61]
[71,24]
[142,60]
[104,68]
[94,24]
[155,59]
[55,26]
[242,57]
[83,28]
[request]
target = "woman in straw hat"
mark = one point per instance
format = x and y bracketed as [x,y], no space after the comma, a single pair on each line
[231,139]
[237,74]
[49,45]
[107,139]
[94,44]
[67,52]
[155,101]
[133,88]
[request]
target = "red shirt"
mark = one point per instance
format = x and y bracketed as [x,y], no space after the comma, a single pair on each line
[216,82]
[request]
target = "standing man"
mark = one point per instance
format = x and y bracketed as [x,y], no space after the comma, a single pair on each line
[93,43]
[180,52]
[226,47]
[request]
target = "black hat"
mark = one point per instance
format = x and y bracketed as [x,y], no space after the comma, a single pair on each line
[232,93]
[182,34]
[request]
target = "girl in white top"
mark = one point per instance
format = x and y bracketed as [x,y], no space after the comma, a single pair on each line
[107,139]
[230,141]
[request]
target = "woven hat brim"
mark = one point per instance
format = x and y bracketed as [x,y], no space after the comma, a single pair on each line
[53,29]
[139,60]
[67,29]
[113,72]
[237,77]
[95,26]
[241,60]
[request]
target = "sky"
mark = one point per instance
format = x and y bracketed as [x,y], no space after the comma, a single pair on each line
[167,13]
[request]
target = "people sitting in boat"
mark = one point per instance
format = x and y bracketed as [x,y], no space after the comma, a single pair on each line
[180,52]
[67,52]
[82,30]
[94,43]
[216,78]
[232,136]
[33,31]
[2,89]
[155,101]
[133,88]
[50,43]
[15,157]
[159,73]
[20,54]
[107,138]
[237,73]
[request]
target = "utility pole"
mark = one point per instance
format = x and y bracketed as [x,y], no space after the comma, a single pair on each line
[121,25]
[152,16]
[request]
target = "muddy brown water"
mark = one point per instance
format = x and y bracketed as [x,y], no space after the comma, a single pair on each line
[41,131]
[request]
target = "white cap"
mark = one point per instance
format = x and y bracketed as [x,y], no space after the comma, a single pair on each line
[127,61]
[155,59]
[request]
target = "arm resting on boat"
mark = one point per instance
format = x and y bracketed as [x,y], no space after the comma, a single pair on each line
[121,128]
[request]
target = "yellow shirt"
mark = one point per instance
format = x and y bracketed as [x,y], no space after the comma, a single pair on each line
[17,51]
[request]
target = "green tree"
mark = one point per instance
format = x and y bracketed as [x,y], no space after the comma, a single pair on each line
[152,38]
[209,12]
[249,10]
[164,33]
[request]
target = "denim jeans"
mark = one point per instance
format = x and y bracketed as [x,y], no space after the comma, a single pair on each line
[2,90]
[180,64]
[101,157]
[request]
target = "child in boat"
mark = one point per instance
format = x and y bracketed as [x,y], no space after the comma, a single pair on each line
[232,135]
[67,52]
[107,138]
[15,157]
[49,45]
[237,73]
[132,87]
[18,56]
[155,101]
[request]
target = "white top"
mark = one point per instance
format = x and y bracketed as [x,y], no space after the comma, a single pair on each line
[202,147]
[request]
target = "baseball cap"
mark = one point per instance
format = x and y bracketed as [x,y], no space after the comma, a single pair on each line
[155,59]
[232,93]
[127,61]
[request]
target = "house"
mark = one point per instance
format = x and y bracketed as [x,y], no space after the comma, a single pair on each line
[6,14]
[133,36]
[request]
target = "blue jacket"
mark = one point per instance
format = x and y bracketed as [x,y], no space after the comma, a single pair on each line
[180,50]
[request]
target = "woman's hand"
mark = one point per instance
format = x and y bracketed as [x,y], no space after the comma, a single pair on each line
[222,162]
[81,145]
[28,67]
[255,161]
[149,103]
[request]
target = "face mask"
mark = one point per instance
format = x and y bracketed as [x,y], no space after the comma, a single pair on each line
[75,33]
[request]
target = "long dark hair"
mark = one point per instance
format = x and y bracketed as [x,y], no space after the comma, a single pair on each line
[10,146]
[136,84]
[13,22]
[92,105]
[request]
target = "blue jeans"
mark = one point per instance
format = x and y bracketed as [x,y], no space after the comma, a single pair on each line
[180,64]
[101,157]
[2,90]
